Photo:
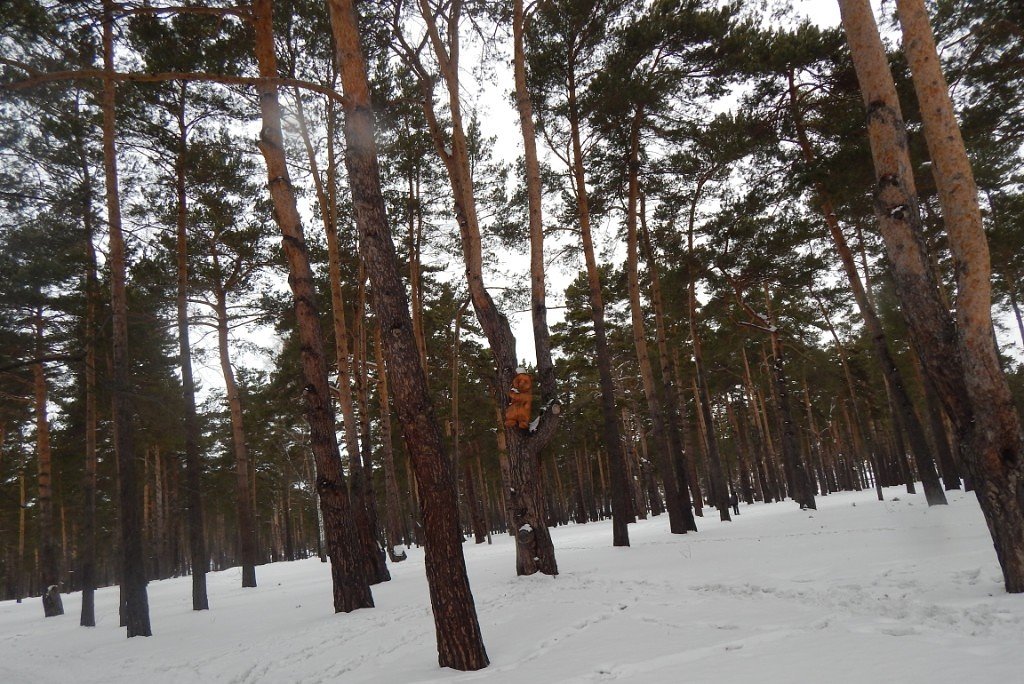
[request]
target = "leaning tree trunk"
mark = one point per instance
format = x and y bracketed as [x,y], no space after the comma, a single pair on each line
[879,341]
[622,511]
[133,568]
[996,456]
[351,590]
[459,641]
[373,558]
[190,420]
[985,422]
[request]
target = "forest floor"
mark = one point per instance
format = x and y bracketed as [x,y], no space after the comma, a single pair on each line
[858,591]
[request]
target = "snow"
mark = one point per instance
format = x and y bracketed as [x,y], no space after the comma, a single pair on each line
[856,591]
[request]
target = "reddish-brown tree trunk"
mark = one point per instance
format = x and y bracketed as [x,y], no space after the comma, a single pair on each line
[351,590]
[135,599]
[459,641]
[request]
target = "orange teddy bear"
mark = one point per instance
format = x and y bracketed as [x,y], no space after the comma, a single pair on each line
[518,411]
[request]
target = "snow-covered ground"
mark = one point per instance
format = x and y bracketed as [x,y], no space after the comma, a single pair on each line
[858,591]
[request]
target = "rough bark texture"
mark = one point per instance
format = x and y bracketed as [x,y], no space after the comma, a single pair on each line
[193,463]
[373,561]
[135,599]
[351,590]
[996,442]
[459,641]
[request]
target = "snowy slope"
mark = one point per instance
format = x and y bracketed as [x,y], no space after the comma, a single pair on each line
[859,591]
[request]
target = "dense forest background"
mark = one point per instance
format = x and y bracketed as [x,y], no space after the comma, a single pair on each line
[709,217]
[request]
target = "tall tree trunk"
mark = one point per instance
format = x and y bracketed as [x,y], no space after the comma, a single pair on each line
[239,443]
[703,396]
[49,560]
[879,341]
[366,515]
[351,590]
[673,502]
[996,457]
[92,298]
[133,568]
[392,519]
[967,375]
[622,513]
[373,561]
[190,419]
[459,641]
[668,373]
[534,549]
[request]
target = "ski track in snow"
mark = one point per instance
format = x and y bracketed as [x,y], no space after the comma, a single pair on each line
[862,590]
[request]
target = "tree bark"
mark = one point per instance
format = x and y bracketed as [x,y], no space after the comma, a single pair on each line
[622,513]
[92,298]
[190,419]
[677,517]
[879,341]
[996,457]
[966,375]
[133,568]
[239,444]
[673,414]
[351,590]
[459,641]
[49,561]
[534,549]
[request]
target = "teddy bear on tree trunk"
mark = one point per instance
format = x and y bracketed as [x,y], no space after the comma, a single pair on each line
[518,412]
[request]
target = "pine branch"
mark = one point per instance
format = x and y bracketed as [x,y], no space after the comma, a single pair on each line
[37,78]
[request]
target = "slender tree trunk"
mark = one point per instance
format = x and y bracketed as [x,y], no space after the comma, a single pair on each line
[190,419]
[373,557]
[459,642]
[622,513]
[679,457]
[240,446]
[676,515]
[133,568]
[49,560]
[879,342]
[534,549]
[392,520]
[996,456]
[719,492]
[351,590]
[92,298]
[366,515]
